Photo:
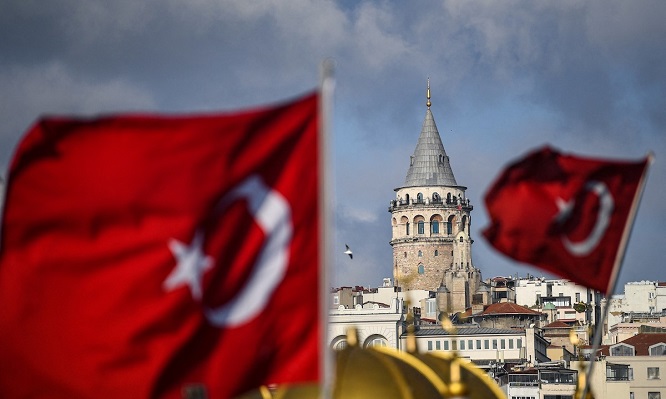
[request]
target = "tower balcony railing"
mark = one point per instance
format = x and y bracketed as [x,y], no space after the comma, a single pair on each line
[397,204]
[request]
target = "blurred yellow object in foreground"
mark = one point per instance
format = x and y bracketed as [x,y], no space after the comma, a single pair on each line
[386,373]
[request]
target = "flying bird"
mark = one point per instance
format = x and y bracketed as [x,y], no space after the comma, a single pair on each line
[349,252]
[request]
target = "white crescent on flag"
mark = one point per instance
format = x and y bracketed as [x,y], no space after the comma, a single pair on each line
[273,215]
[606,206]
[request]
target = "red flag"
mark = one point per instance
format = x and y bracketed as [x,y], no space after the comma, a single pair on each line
[162,256]
[565,214]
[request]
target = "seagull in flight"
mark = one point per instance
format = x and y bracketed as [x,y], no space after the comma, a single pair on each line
[349,252]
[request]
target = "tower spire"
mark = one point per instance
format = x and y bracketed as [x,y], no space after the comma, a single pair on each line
[428,103]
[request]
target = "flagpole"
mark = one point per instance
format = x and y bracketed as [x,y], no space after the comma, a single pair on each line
[612,284]
[326,106]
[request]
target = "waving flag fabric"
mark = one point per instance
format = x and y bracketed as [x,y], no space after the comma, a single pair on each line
[565,214]
[153,256]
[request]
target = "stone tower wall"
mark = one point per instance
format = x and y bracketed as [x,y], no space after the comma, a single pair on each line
[420,257]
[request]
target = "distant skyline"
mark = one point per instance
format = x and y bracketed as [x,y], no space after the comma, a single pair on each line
[506,77]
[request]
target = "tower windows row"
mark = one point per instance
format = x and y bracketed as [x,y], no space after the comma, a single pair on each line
[420,253]
[435,226]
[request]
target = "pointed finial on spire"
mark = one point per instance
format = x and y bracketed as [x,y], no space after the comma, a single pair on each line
[428,103]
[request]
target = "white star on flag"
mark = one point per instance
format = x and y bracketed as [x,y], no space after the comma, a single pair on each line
[190,267]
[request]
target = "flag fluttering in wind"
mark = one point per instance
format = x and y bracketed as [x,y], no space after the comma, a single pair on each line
[162,256]
[565,214]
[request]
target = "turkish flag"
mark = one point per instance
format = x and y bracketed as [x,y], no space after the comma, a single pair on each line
[148,256]
[565,214]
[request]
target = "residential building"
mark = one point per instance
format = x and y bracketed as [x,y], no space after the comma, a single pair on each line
[376,314]
[574,304]
[502,289]
[508,315]
[639,361]
[486,347]
[548,381]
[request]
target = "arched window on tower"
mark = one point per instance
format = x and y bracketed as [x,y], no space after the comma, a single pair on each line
[407,228]
[420,253]
[448,198]
[461,239]
[450,224]
[436,253]
[419,221]
[407,198]
[464,223]
[435,220]
[419,198]
[421,269]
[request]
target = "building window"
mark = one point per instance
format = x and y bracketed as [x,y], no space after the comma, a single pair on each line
[631,395]
[421,227]
[339,343]
[519,343]
[419,198]
[462,344]
[577,296]
[494,344]
[434,225]
[654,395]
[658,350]
[446,345]
[653,373]
[405,254]
[502,344]
[407,228]
[429,345]
[486,344]
[436,253]
[461,239]
[454,345]
[470,344]
[420,253]
[449,227]
[511,344]
[622,350]
[421,269]
[478,344]
[375,340]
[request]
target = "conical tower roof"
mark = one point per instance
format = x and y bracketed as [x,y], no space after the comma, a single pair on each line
[429,165]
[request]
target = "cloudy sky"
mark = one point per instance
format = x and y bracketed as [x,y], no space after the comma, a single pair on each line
[507,76]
